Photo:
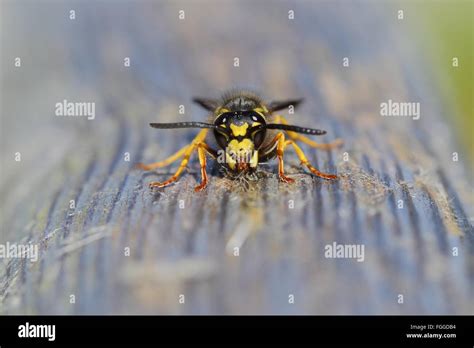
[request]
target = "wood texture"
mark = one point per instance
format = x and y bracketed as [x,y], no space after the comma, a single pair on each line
[188,251]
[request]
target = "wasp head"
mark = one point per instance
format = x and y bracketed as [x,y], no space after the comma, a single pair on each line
[240,134]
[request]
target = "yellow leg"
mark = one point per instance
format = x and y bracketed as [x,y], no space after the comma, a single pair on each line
[202,162]
[295,136]
[186,155]
[280,138]
[181,167]
[173,158]
[282,144]
[201,148]
[163,163]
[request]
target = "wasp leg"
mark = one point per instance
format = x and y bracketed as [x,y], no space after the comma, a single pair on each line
[186,155]
[163,163]
[181,167]
[295,136]
[304,160]
[202,148]
[280,138]
[173,158]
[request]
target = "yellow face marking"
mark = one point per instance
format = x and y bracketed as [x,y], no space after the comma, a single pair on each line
[261,110]
[239,130]
[246,145]
[239,152]
[230,161]
[220,111]
[254,160]
[223,126]
[256,124]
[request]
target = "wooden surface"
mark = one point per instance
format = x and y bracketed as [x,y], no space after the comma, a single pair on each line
[188,251]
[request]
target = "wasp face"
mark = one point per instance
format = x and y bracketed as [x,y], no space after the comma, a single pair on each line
[240,134]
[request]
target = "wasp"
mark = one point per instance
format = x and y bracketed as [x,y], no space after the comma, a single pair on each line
[246,131]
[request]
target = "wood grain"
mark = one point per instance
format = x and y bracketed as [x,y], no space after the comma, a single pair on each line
[189,251]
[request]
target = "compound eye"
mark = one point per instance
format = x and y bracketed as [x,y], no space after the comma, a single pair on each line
[222,119]
[221,139]
[259,137]
[256,117]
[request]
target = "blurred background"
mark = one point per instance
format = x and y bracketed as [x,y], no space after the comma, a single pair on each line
[76,195]
[445,31]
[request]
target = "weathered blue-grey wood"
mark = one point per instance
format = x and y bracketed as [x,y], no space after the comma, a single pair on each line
[174,251]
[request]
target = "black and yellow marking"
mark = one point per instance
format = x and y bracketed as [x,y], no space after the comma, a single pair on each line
[240,129]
